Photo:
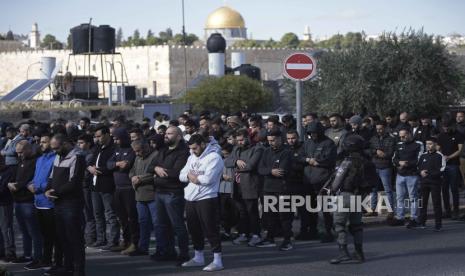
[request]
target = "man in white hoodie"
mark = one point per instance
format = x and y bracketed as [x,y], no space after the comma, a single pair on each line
[203,173]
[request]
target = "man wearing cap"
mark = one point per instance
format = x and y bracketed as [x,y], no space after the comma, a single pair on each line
[320,154]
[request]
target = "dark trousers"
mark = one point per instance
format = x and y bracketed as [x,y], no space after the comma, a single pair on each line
[103,213]
[327,216]
[203,221]
[435,191]
[90,229]
[451,174]
[249,219]
[126,210]
[169,216]
[305,217]
[52,246]
[276,221]
[7,236]
[69,222]
[228,212]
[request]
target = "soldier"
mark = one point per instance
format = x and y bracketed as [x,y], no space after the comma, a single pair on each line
[354,177]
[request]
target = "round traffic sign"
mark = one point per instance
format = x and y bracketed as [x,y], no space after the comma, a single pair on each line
[299,67]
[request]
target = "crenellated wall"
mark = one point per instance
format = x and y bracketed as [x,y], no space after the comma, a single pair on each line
[159,68]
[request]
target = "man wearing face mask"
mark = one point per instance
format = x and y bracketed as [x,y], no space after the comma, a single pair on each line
[450,142]
[65,189]
[320,155]
[104,188]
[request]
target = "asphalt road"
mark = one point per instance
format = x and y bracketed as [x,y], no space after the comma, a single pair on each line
[389,251]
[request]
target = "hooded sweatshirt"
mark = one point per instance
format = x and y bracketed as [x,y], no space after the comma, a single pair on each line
[123,152]
[209,168]
[44,167]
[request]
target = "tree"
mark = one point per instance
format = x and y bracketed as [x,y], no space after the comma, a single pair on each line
[178,39]
[50,42]
[9,36]
[247,43]
[228,94]
[136,39]
[167,35]
[289,40]
[411,71]
[149,34]
[119,37]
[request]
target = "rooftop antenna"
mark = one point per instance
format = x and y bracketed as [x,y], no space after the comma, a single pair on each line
[185,43]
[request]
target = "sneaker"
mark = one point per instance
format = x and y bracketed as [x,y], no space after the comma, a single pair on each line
[138,253]
[22,259]
[240,240]
[54,270]
[192,263]
[422,226]
[97,244]
[36,264]
[129,250]
[371,214]
[303,236]
[286,245]
[397,222]
[225,236]
[412,224]
[437,228]
[254,240]
[213,267]
[181,260]
[9,258]
[266,243]
[111,247]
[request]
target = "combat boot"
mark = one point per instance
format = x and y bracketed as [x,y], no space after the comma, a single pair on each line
[358,255]
[343,255]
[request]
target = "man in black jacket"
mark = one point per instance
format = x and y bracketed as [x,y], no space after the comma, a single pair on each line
[320,155]
[121,163]
[24,203]
[65,188]
[431,165]
[7,246]
[104,188]
[169,194]
[246,190]
[296,185]
[381,150]
[405,159]
[275,166]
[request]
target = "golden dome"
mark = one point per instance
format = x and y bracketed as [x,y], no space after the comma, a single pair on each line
[223,18]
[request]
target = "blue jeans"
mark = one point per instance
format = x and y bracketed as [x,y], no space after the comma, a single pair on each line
[385,175]
[29,227]
[146,214]
[451,176]
[407,186]
[170,212]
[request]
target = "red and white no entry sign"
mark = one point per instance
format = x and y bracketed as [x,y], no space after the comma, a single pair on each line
[299,67]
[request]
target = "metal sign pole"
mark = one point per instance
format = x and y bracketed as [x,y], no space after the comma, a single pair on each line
[298,102]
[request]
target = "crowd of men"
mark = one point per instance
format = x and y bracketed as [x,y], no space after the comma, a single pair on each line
[204,177]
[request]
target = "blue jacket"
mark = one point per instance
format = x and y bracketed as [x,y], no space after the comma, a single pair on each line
[44,166]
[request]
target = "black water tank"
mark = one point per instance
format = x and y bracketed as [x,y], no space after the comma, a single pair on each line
[250,71]
[80,38]
[216,43]
[104,39]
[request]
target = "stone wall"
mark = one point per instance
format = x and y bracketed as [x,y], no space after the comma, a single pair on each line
[145,66]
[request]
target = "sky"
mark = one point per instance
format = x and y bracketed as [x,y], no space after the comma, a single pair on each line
[264,19]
